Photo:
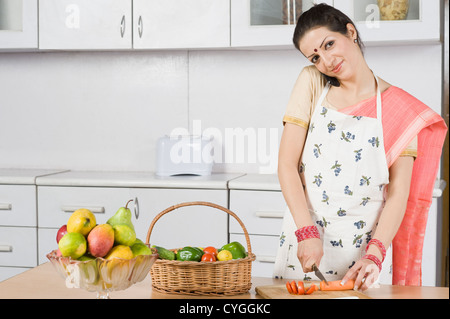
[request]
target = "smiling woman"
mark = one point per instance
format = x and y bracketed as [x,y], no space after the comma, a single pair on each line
[334,20]
[349,134]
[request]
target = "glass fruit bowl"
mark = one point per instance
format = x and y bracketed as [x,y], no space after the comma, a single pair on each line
[102,275]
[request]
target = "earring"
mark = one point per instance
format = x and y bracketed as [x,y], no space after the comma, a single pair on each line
[356,40]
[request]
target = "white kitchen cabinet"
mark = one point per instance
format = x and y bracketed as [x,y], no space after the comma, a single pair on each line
[266,22]
[260,211]
[85,24]
[421,23]
[106,192]
[161,24]
[18,220]
[191,226]
[18,246]
[18,24]
[18,205]
[259,203]
[263,247]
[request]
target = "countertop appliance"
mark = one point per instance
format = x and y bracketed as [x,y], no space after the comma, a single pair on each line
[183,155]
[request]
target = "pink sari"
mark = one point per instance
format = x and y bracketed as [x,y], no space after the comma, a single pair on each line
[405,117]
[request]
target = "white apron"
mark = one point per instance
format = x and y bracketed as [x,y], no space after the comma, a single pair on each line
[344,172]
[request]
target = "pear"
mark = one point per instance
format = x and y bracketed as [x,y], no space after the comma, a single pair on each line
[122,217]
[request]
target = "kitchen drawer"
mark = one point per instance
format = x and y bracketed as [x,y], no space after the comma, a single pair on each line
[195,225]
[56,204]
[17,205]
[265,249]
[260,211]
[18,246]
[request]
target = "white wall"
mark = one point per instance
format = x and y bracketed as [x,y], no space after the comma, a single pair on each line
[105,110]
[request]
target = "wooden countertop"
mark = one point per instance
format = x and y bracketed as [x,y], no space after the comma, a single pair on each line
[43,282]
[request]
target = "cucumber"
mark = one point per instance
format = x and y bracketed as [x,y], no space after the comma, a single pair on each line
[164,253]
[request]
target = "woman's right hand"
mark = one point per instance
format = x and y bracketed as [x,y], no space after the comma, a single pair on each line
[310,252]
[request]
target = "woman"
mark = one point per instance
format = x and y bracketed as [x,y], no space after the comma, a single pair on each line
[351,134]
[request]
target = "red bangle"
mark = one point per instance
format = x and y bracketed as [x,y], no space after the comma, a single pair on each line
[380,246]
[307,232]
[374,259]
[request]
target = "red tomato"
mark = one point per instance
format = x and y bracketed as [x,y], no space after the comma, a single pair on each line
[211,250]
[301,288]
[208,257]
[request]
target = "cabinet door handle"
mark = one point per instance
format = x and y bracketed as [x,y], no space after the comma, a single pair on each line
[136,208]
[72,208]
[140,27]
[262,214]
[266,259]
[294,12]
[5,206]
[6,248]
[122,26]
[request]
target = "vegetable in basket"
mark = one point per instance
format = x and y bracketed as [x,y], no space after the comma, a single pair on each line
[236,249]
[189,254]
[164,253]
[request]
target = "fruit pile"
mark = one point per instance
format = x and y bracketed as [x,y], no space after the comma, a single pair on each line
[233,250]
[83,239]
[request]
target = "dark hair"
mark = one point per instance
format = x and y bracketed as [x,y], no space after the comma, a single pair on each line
[323,15]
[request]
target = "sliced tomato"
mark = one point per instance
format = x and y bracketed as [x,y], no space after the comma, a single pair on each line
[301,288]
[294,287]
[288,286]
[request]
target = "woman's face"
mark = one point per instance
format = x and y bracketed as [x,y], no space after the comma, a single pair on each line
[333,53]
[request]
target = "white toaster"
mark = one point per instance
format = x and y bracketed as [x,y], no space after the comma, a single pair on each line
[183,155]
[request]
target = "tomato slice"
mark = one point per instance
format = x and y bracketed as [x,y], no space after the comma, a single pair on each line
[301,288]
[294,287]
[288,286]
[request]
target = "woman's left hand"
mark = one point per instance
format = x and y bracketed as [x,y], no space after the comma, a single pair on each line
[364,272]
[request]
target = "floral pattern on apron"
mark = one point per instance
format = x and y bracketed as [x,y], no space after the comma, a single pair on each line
[344,172]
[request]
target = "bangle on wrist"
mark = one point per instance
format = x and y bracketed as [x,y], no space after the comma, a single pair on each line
[306,233]
[380,246]
[374,259]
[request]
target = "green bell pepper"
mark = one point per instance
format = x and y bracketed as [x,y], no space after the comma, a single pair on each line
[236,249]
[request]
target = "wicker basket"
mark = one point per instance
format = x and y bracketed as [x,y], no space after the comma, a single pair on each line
[217,278]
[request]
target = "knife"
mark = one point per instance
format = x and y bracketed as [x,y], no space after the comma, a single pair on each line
[318,273]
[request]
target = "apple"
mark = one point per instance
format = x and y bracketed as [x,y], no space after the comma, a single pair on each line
[61,232]
[72,245]
[100,240]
